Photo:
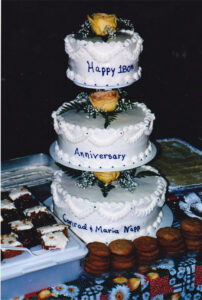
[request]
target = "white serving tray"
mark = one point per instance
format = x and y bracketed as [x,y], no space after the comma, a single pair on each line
[26,273]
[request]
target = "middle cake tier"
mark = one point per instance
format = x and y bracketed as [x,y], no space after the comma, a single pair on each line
[93,140]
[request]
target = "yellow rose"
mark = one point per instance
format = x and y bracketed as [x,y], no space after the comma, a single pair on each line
[105,101]
[107,177]
[103,24]
[133,283]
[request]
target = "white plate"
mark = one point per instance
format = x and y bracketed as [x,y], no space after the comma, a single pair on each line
[59,160]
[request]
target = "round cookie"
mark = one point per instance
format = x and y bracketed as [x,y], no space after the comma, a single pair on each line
[98,248]
[93,271]
[192,227]
[93,257]
[145,244]
[121,247]
[193,244]
[97,263]
[122,258]
[169,235]
[153,253]
[122,265]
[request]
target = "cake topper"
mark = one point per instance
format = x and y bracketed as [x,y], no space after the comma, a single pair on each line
[103,24]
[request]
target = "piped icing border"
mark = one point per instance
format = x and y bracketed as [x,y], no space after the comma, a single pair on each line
[130,134]
[112,211]
[112,48]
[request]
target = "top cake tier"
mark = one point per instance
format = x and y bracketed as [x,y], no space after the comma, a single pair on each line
[104,60]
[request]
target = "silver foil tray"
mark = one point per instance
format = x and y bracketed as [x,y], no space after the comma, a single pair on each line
[31,170]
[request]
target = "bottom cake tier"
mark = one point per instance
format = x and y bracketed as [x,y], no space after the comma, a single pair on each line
[122,214]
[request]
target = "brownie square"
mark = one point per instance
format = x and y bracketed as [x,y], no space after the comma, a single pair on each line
[5,227]
[22,198]
[39,216]
[11,240]
[26,232]
[8,211]
[53,228]
[54,240]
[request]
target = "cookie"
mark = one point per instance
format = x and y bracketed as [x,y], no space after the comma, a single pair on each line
[169,235]
[97,263]
[122,258]
[99,249]
[191,228]
[193,245]
[116,265]
[121,247]
[100,268]
[93,271]
[145,244]
[153,253]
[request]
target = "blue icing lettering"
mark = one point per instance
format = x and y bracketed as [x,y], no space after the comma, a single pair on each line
[72,224]
[90,67]
[90,155]
[125,69]
[106,230]
[131,228]
[105,71]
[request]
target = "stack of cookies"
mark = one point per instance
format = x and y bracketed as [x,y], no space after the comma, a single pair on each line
[98,259]
[171,241]
[146,249]
[191,229]
[122,254]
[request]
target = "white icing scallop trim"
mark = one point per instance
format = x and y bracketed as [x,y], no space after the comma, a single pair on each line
[103,137]
[112,211]
[101,51]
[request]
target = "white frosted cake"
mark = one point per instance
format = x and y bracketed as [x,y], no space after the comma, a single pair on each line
[84,143]
[95,62]
[122,214]
[104,191]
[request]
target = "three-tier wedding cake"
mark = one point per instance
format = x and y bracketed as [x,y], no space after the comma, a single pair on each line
[104,190]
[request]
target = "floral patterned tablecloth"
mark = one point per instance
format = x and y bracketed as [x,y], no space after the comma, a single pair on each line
[169,278]
[172,279]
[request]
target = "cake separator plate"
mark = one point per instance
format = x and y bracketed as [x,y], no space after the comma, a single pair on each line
[68,164]
[104,87]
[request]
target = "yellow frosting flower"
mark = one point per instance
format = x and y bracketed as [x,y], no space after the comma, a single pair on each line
[107,177]
[105,101]
[103,24]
